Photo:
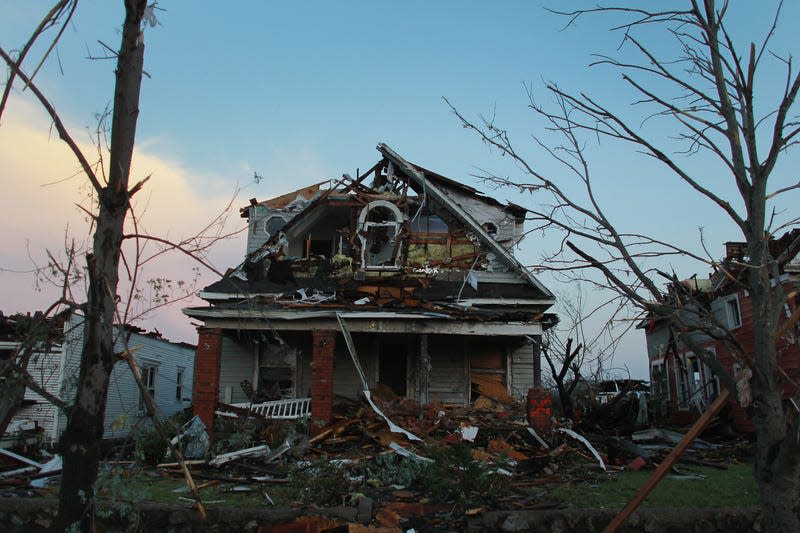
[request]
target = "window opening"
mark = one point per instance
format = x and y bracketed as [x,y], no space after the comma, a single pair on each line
[734,312]
[149,379]
[379,224]
[277,372]
[696,384]
[273,224]
[179,384]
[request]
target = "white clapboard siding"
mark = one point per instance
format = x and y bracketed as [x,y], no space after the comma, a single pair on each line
[447,380]
[346,382]
[522,370]
[123,411]
[44,367]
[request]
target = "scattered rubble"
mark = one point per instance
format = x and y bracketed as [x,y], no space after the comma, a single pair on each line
[467,463]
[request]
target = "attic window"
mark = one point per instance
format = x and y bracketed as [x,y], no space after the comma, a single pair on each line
[273,224]
[491,229]
[379,233]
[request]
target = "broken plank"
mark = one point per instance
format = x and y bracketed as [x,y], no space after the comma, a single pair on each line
[668,462]
[191,462]
[20,458]
[255,451]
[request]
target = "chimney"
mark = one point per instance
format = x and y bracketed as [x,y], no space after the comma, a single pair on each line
[735,250]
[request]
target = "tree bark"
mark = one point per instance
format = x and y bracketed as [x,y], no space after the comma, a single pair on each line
[777,466]
[80,441]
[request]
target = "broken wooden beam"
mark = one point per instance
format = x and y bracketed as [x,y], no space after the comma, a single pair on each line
[256,451]
[668,462]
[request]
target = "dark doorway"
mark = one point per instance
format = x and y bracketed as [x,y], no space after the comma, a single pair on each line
[392,367]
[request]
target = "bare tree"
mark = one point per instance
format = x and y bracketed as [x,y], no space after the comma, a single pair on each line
[714,98]
[562,359]
[112,193]
[573,355]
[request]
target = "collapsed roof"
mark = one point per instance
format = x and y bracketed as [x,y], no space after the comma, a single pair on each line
[407,239]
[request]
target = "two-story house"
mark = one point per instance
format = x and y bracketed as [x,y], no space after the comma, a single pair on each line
[398,277]
[682,385]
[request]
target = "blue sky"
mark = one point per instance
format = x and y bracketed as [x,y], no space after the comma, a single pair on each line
[301,91]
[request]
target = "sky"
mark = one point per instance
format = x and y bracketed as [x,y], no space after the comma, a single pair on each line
[297,92]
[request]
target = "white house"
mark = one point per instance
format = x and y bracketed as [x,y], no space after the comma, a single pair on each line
[167,369]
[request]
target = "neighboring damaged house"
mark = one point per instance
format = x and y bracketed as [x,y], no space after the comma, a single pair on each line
[681,384]
[415,269]
[166,369]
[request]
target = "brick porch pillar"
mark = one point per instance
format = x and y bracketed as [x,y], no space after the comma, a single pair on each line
[205,391]
[322,378]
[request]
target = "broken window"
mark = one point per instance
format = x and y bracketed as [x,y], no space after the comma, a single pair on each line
[313,247]
[275,383]
[733,311]
[659,387]
[696,384]
[179,384]
[273,224]
[277,372]
[658,378]
[379,233]
[149,379]
[428,224]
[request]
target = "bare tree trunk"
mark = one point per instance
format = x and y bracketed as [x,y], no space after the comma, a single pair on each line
[80,442]
[777,467]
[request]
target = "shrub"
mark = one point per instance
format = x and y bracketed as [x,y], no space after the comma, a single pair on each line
[150,447]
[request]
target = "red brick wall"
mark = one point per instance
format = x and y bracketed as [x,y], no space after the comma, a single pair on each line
[205,391]
[324,345]
[788,361]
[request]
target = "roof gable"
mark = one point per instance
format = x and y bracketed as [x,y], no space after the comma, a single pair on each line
[407,220]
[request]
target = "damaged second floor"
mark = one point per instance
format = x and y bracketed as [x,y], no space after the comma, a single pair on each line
[397,235]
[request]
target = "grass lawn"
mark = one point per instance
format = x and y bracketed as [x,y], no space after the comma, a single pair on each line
[733,487]
[581,488]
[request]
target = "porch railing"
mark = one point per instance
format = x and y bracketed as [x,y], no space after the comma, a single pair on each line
[280,409]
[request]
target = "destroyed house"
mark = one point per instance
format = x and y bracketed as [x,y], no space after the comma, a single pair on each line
[682,385]
[399,278]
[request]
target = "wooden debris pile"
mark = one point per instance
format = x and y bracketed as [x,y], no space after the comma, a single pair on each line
[467,461]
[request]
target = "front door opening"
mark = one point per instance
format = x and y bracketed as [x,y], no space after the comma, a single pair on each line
[392,367]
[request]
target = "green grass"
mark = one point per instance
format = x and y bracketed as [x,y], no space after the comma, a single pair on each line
[582,489]
[733,487]
[162,491]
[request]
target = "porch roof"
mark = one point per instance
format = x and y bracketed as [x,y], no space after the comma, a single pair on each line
[366,321]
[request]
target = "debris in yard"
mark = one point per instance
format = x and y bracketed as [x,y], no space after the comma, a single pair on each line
[537,437]
[670,437]
[586,443]
[468,433]
[637,464]
[351,347]
[255,451]
[467,463]
[20,458]
[405,453]
[194,437]
[52,466]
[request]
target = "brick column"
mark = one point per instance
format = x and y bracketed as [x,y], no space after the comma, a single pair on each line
[322,378]
[205,390]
